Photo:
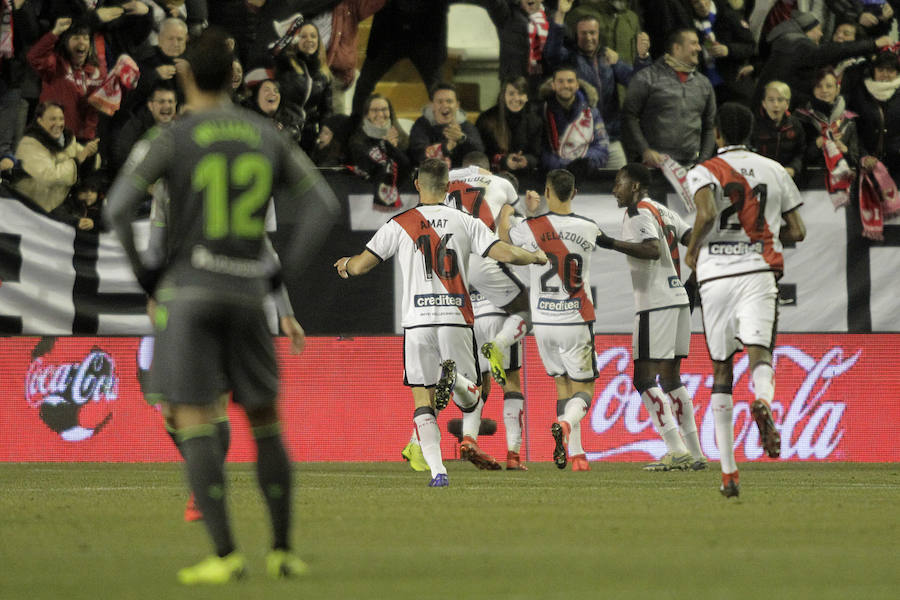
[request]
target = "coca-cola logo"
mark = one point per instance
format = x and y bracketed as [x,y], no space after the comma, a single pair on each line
[61,391]
[809,421]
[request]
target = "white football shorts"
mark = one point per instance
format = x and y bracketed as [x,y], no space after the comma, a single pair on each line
[425,348]
[739,311]
[567,350]
[486,328]
[661,334]
[494,280]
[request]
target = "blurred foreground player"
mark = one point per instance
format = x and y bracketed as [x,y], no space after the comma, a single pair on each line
[662,319]
[432,243]
[736,252]
[562,307]
[221,165]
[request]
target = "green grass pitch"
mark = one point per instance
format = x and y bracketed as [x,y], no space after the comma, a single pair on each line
[375,530]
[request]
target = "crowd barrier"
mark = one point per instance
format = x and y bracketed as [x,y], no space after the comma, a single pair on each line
[79,399]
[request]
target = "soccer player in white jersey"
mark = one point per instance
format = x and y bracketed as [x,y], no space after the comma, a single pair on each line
[562,307]
[736,253]
[662,319]
[501,309]
[432,243]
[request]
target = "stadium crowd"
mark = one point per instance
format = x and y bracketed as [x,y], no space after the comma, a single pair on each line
[584,84]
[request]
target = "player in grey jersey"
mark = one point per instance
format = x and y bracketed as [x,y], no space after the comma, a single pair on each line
[222,165]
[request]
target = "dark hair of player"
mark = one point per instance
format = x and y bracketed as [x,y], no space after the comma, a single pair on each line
[442,85]
[677,37]
[477,158]
[211,60]
[735,123]
[637,173]
[433,175]
[562,183]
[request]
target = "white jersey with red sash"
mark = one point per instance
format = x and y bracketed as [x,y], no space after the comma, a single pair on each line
[432,244]
[657,283]
[561,289]
[482,195]
[751,194]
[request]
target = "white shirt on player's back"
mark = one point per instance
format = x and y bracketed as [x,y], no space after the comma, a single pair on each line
[656,282]
[751,194]
[473,191]
[561,289]
[432,244]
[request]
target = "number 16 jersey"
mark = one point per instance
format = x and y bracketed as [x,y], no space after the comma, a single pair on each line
[432,244]
[561,289]
[751,194]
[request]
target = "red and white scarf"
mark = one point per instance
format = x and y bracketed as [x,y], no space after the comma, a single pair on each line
[6,29]
[108,97]
[676,175]
[538,29]
[878,199]
[575,139]
[838,174]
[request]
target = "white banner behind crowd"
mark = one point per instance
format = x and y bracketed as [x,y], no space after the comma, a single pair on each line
[814,286]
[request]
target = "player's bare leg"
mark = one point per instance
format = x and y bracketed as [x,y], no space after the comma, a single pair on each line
[206,475]
[722,405]
[677,457]
[425,421]
[682,409]
[763,376]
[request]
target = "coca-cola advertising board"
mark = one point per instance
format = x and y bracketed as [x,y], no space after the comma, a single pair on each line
[80,399]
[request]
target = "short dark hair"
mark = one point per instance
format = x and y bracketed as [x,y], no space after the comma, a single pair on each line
[637,173]
[442,85]
[161,86]
[477,158]
[564,66]
[735,123]
[432,174]
[562,182]
[43,106]
[676,37]
[211,60]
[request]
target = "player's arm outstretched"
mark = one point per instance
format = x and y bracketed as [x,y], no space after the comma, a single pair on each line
[507,253]
[357,264]
[703,223]
[645,249]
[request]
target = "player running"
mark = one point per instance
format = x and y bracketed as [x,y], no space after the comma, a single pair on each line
[736,252]
[662,320]
[222,164]
[432,242]
[562,307]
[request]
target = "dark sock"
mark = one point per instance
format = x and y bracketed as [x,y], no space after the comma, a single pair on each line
[206,476]
[273,471]
[174,435]
[223,434]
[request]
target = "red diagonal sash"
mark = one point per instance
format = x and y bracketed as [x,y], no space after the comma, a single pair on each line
[416,225]
[472,200]
[671,241]
[548,240]
[753,223]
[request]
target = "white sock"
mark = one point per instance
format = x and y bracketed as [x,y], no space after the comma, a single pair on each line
[764,382]
[430,440]
[513,412]
[655,402]
[471,421]
[723,411]
[514,329]
[683,409]
[574,413]
[465,392]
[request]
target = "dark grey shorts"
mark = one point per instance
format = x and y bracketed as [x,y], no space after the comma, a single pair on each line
[206,347]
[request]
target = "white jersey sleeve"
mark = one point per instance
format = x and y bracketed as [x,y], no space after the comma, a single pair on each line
[385,242]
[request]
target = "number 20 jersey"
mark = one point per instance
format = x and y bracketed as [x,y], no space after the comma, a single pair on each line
[751,194]
[561,289]
[432,244]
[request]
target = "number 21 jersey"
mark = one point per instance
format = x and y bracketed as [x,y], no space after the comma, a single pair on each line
[751,194]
